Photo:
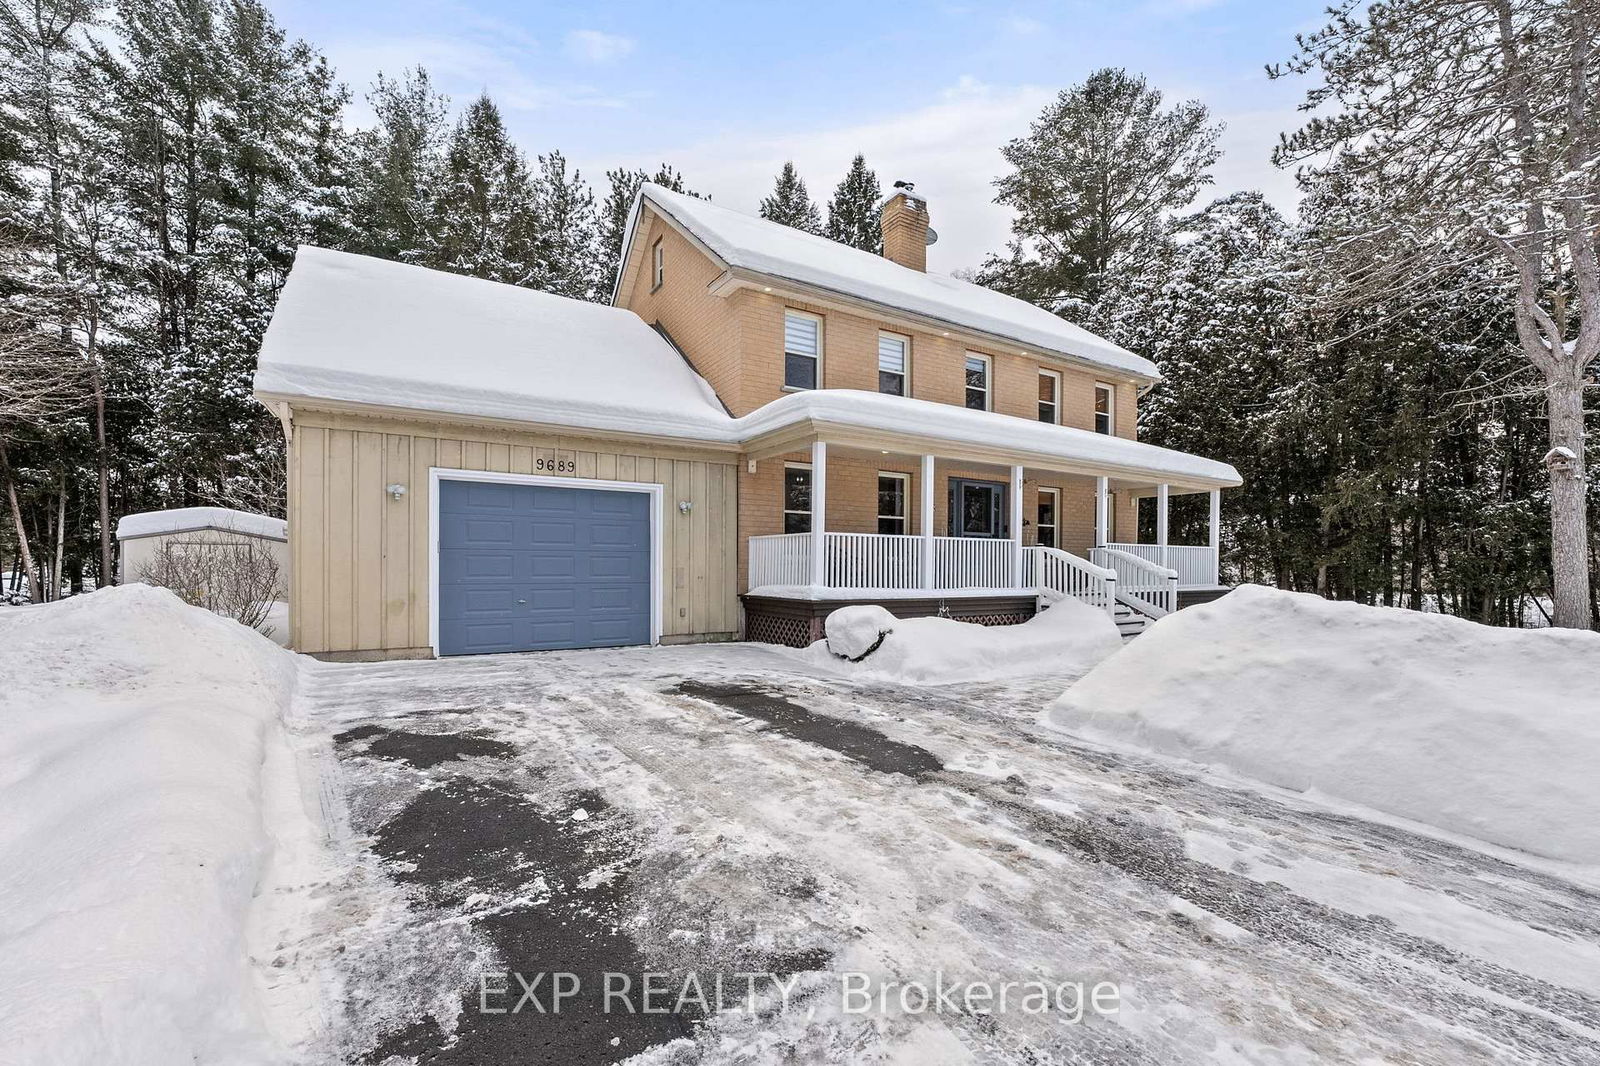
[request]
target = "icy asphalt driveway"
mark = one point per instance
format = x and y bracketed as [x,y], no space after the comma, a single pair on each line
[719,810]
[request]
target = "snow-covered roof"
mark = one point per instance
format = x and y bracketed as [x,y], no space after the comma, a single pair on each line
[363,330]
[188,519]
[752,243]
[989,429]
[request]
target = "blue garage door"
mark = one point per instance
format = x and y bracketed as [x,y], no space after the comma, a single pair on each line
[526,567]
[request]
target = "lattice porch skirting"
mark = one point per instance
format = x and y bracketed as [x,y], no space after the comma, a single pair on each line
[797,623]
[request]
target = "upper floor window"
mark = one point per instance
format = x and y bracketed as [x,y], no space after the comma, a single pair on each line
[796,498]
[892,353]
[658,265]
[1105,408]
[1049,397]
[892,503]
[978,374]
[802,350]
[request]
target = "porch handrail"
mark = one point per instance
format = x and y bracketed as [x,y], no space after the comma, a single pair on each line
[872,560]
[1141,584]
[1056,573]
[1196,564]
[780,559]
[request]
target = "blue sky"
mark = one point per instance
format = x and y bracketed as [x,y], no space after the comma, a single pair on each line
[728,91]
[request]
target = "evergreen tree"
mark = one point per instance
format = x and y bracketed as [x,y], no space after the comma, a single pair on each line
[853,211]
[1095,181]
[790,204]
[566,233]
[483,207]
[623,188]
[399,167]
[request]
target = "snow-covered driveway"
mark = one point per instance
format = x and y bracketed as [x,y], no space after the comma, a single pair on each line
[719,810]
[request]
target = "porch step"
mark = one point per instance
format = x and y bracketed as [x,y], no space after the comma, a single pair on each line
[1130,623]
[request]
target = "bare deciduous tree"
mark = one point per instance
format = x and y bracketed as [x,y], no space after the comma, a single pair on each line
[1475,121]
[236,579]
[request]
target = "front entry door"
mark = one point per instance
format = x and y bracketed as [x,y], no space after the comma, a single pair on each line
[977,508]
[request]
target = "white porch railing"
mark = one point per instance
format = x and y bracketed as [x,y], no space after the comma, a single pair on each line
[973,563]
[1141,583]
[1056,573]
[784,559]
[872,561]
[1196,564]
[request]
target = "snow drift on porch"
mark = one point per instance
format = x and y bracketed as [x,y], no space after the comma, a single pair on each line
[1492,733]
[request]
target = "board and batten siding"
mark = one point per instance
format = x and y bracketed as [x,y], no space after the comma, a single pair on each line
[361,560]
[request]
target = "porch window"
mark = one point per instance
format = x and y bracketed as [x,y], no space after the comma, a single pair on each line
[802,350]
[892,503]
[796,498]
[977,381]
[892,349]
[1049,397]
[1045,525]
[1105,408]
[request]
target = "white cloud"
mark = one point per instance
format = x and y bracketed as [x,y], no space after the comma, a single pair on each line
[951,148]
[593,46]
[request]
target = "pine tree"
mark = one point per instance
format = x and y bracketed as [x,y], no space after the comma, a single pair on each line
[1096,178]
[790,204]
[853,211]
[484,205]
[399,167]
[566,232]
[623,188]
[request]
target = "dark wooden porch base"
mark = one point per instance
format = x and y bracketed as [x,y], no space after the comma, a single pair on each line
[797,623]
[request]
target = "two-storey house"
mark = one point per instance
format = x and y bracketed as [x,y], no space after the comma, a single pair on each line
[765,425]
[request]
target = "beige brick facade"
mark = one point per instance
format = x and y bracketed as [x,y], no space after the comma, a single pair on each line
[736,342]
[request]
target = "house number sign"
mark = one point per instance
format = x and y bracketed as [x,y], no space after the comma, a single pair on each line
[560,466]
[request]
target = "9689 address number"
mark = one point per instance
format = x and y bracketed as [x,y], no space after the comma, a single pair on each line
[560,466]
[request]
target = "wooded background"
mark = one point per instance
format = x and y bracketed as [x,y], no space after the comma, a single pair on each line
[1366,365]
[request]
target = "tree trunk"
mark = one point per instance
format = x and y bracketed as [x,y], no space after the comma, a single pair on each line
[1569,518]
[57,572]
[107,575]
[35,587]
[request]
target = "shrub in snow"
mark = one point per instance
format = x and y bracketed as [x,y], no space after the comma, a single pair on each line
[1492,733]
[856,632]
[133,731]
[236,579]
[1067,639]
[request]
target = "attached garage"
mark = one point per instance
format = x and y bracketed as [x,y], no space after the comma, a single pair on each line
[526,563]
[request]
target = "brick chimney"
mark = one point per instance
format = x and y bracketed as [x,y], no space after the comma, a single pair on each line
[903,218]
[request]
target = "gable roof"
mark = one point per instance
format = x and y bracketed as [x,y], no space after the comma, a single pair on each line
[363,330]
[746,242]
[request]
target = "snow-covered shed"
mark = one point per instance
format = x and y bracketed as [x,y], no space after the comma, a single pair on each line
[141,537]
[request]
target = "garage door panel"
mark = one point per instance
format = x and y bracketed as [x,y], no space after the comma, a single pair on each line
[530,567]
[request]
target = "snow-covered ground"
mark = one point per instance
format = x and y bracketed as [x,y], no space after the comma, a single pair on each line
[728,809]
[1493,733]
[141,747]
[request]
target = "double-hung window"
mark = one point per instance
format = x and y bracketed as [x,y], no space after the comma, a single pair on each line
[978,374]
[802,350]
[1105,408]
[796,498]
[893,357]
[892,503]
[1045,526]
[1049,397]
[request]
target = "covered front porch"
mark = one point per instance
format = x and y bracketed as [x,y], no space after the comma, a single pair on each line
[969,535]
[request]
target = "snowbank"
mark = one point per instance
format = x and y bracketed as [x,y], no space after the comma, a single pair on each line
[186,519]
[855,632]
[1492,733]
[1069,638]
[133,731]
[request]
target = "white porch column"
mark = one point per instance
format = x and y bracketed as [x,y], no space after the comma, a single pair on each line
[1162,492]
[1102,512]
[819,512]
[1216,535]
[925,526]
[1017,574]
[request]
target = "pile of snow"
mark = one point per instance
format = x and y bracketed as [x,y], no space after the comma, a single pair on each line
[133,731]
[1066,639]
[1491,733]
[188,519]
[855,632]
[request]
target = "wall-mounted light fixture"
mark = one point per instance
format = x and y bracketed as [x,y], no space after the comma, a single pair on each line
[684,506]
[395,491]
